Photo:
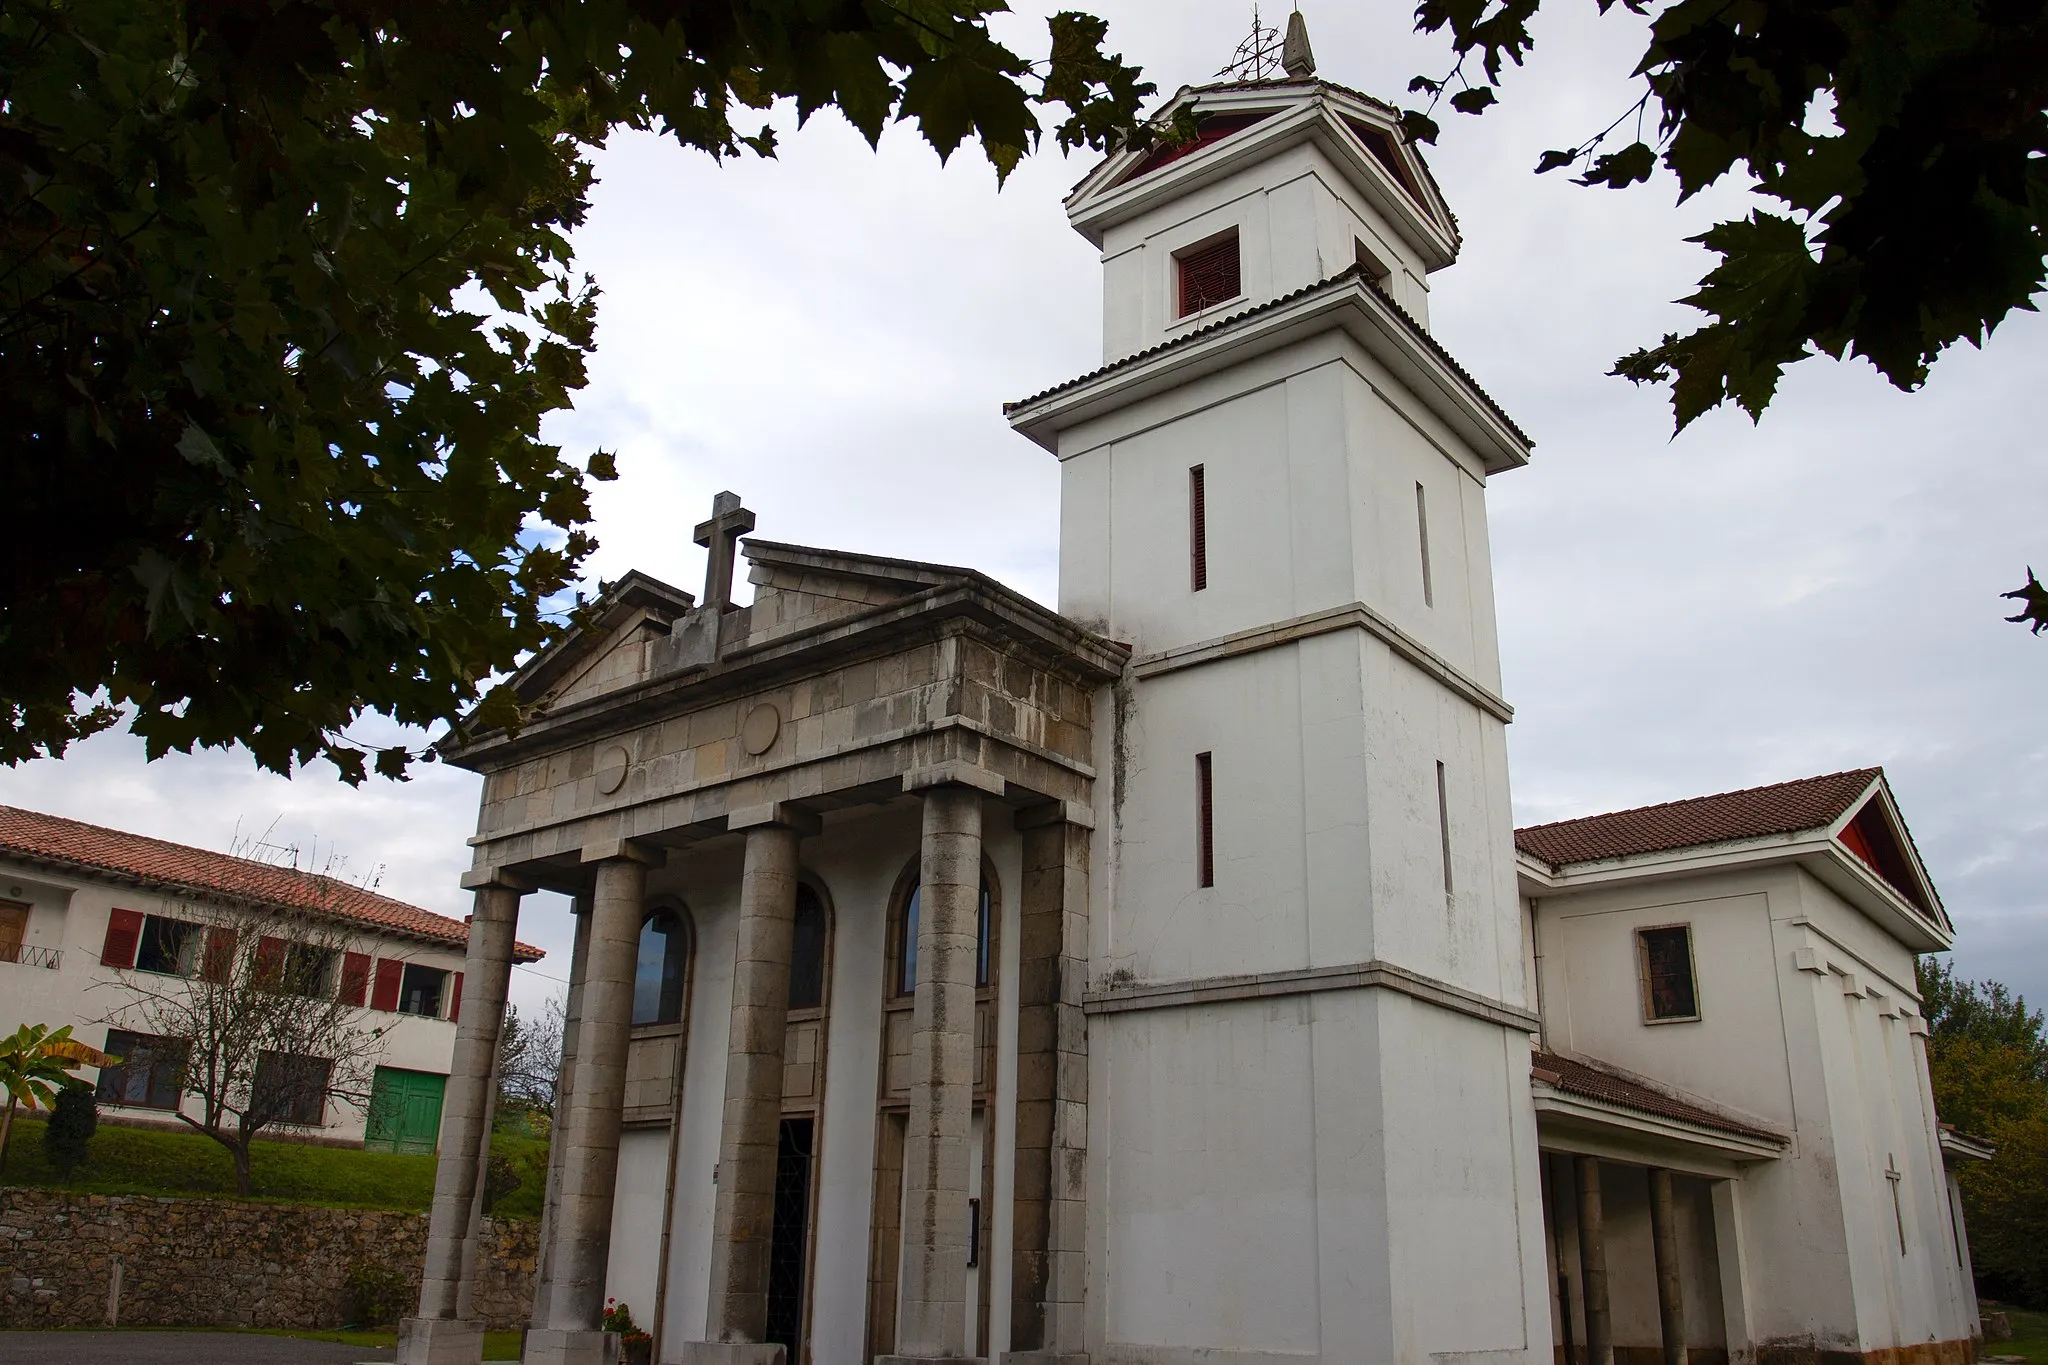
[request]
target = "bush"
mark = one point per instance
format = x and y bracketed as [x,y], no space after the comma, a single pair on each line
[73,1121]
[374,1293]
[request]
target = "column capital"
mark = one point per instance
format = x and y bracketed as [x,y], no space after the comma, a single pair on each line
[1054,813]
[496,879]
[953,773]
[786,814]
[628,850]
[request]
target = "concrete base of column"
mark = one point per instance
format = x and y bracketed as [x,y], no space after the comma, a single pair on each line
[952,1360]
[577,1346]
[1043,1358]
[440,1341]
[730,1353]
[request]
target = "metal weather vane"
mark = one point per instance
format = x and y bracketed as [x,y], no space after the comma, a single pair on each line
[1258,57]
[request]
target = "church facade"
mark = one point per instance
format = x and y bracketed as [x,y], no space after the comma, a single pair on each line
[1152,981]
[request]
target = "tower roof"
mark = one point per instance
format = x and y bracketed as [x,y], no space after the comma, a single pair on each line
[1241,121]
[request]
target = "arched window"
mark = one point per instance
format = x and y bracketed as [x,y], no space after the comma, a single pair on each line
[807,951]
[906,959]
[659,973]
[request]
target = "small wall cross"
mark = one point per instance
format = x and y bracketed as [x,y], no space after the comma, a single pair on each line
[1895,1175]
[720,535]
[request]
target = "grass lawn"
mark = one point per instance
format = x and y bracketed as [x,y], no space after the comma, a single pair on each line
[2029,1335]
[124,1160]
[497,1345]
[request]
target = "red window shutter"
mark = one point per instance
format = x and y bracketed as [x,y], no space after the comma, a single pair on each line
[455,999]
[384,993]
[124,936]
[219,963]
[1209,275]
[355,978]
[270,961]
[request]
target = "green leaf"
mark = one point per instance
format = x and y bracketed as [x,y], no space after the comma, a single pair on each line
[1472,101]
[1418,127]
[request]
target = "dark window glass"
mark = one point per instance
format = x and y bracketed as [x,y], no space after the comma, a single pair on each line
[290,1088]
[151,1072]
[420,989]
[309,971]
[1668,988]
[906,976]
[807,951]
[170,946]
[658,972]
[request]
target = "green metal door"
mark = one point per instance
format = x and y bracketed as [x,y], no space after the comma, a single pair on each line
[405,1111]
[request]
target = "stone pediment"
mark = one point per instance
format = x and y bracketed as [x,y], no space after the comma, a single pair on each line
[797,587]
[610,649]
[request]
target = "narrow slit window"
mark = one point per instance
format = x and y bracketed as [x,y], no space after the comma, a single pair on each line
[1208,274]
[1198,529]
[1443,823]
[1670,991]
[1422,538]
[1370,265]
[1205,822]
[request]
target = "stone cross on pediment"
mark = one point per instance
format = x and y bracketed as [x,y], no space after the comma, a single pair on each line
[721,535]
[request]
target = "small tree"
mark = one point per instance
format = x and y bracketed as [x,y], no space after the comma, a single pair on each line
[266,1041]
[529,1063]
[73,1121]
[35,1064]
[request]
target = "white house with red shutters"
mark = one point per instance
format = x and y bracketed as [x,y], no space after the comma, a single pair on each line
[90,918]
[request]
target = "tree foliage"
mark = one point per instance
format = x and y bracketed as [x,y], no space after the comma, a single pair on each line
[1899,142]
[529,1064]
[286,291]
[1988,1063]
[36,1063]
[74,1118]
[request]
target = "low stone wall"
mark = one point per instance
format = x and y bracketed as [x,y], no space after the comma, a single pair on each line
[219,1263]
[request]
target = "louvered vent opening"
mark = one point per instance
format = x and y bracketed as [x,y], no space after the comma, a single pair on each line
[1208,275]
[1198,529]
[1205,822]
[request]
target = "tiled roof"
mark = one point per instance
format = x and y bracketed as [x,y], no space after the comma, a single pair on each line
[1753,813]
[1355,272]
[160,864]
[1597,1083]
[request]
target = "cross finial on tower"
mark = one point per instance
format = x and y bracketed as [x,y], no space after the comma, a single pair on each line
[1258,56]
[720,535]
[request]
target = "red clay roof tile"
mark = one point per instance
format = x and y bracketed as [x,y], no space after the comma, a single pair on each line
[1598,1083]
[179,867]
[1753,813]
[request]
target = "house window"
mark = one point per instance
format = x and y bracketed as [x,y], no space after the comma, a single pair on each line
[13,930]
[169,946]
[290,1088]
[807,951]
[1670,992]
[1205,821]
[150,1074]
[906,958]
[1198,528]
[420,990]
[658,970]
[309,971]
[1208,274]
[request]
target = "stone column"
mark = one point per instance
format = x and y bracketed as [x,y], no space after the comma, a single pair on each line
[1593,1265]
[582,1235]
[1049,1194]
[743,1218]
[933,1320]
[1670,1291]
[438,1336]
[565,1079]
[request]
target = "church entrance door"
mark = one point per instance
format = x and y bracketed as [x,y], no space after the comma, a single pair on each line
[790,1239]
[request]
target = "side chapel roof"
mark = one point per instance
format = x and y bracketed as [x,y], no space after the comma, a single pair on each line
[1597,1081]
[179,869]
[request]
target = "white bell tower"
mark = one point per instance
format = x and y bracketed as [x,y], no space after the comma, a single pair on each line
[1311,1135]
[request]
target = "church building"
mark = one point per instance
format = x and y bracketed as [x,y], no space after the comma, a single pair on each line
[1160,980]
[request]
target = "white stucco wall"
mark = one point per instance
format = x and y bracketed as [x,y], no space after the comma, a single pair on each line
[69,915]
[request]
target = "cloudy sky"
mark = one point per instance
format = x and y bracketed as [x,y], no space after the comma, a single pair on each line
[832,334]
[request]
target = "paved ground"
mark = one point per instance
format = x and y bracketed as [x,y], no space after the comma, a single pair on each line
[174,1348]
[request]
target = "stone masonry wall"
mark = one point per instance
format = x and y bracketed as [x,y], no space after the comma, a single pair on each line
[217,1263]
